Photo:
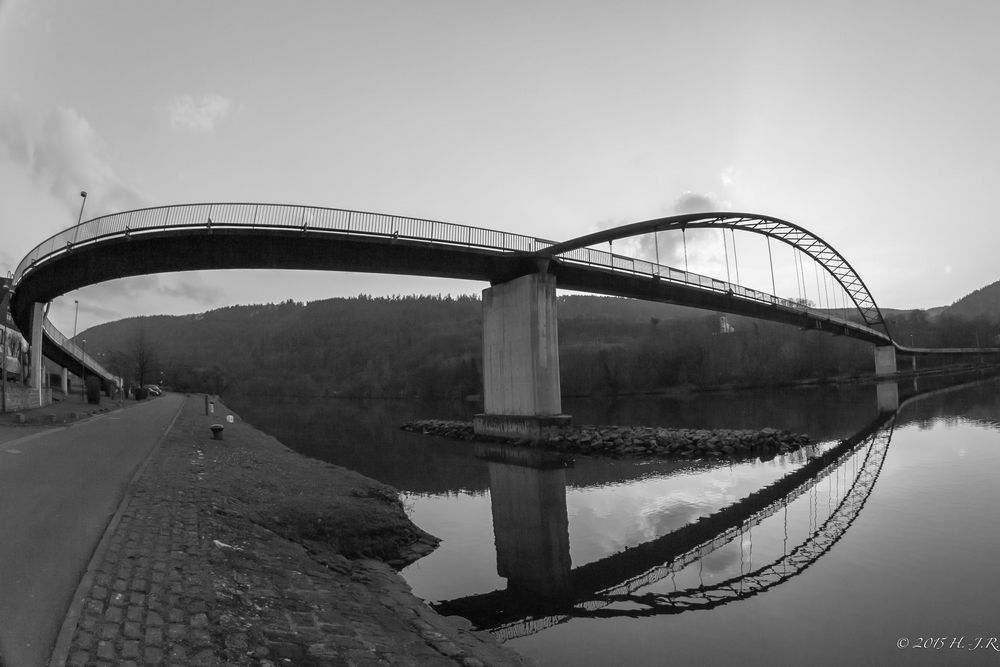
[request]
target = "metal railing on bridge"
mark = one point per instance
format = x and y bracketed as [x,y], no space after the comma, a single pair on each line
[631,265]
[267,217]
[273,217]
[75,350]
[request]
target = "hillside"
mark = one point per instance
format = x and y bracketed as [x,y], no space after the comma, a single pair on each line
[427,346]
[984,302]
[431,347]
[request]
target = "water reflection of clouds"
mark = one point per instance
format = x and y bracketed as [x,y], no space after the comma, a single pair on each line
[605,520]
[464,523]
[723,563]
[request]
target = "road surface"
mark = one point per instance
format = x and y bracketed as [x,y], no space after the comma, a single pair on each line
[58,491]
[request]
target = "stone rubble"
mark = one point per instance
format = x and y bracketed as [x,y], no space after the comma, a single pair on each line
[638,440]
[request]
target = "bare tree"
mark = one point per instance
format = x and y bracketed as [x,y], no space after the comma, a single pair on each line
[143,357]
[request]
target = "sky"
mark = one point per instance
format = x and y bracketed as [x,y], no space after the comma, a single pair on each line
[872,124]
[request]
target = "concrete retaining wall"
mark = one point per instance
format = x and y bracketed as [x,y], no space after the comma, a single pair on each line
[20,397]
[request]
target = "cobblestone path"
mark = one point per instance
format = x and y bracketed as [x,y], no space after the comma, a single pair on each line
[189,577]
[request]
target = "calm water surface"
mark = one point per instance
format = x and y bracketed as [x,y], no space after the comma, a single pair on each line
[885,531]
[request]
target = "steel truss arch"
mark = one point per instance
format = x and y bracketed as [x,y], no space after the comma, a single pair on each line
[789,233]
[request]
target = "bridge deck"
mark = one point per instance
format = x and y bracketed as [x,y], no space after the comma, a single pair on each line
[253,236]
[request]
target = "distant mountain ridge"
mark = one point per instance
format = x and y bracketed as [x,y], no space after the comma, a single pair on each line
[984,302]
[431,346]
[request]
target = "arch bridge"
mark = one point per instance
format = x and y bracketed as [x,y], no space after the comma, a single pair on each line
[521,369]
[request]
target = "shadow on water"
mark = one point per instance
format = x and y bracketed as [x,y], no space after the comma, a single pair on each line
[824,412]
[530,534]
[364,435]
[528,499]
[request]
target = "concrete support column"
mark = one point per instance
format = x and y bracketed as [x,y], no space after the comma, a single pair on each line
[64,382]
[37,368]
[885,359]
[887,396]
[521,392]
[531,528]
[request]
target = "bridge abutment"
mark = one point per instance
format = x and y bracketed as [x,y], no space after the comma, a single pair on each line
[521,392]
[885,359]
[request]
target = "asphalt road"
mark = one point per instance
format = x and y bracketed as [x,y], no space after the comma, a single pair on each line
[58,491]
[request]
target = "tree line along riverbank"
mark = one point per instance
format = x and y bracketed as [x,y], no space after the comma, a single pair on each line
[431,347]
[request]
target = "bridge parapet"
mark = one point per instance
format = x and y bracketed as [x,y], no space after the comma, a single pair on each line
[273,217]
[77,351]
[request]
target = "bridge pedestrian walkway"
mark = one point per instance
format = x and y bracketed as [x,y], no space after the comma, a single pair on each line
[59,488]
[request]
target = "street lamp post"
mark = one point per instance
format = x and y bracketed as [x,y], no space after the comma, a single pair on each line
[83,369]
[79,218]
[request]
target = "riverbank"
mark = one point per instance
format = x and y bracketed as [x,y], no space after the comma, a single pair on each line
[241,552]
[636,440]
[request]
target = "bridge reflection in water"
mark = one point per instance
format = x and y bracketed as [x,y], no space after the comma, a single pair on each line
[819,501]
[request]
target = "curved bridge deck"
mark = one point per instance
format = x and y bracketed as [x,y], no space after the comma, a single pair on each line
[278,236]
[241,236]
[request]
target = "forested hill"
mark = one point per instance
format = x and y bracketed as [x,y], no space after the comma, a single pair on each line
[984,302]
[431,346]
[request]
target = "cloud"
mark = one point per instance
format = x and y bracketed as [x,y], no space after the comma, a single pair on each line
[138,295]
[728,176]
[199,114]
[6,259]
[701,250]
[194,288]
[693,202]
[60,153]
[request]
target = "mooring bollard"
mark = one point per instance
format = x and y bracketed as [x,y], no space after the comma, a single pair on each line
[217,431]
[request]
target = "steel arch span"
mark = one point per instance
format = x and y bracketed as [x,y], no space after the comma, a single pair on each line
[794,235]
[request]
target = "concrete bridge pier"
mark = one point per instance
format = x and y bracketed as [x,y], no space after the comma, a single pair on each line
[37,368]
[886,393]
[531,528]
[521,392]
[885,359]
[64,381]
[887,396]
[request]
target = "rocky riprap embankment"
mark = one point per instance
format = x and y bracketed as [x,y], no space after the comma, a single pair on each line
[639,440]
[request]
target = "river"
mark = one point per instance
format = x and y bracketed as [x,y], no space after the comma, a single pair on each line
[884,533]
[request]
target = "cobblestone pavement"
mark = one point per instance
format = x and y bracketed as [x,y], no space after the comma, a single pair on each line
[187,577]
